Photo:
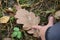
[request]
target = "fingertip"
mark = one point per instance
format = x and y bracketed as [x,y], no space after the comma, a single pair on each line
[51,19]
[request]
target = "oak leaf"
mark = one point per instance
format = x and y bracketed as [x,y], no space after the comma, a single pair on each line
[27,18]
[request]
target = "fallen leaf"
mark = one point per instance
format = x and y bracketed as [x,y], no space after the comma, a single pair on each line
[31,31]
[4,19]
[27,18]
[57,15]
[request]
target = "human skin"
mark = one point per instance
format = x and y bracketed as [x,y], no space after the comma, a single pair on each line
[43,29]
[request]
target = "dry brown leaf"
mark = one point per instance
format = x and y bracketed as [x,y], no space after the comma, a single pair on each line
[27,18]
[22,15]
[57,14]
[18,7]
[4,19]
[31,31]
[31,20]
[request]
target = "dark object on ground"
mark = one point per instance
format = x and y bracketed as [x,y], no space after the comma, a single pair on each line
[53,33]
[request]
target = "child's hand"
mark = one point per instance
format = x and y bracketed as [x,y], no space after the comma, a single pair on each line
[41,30]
